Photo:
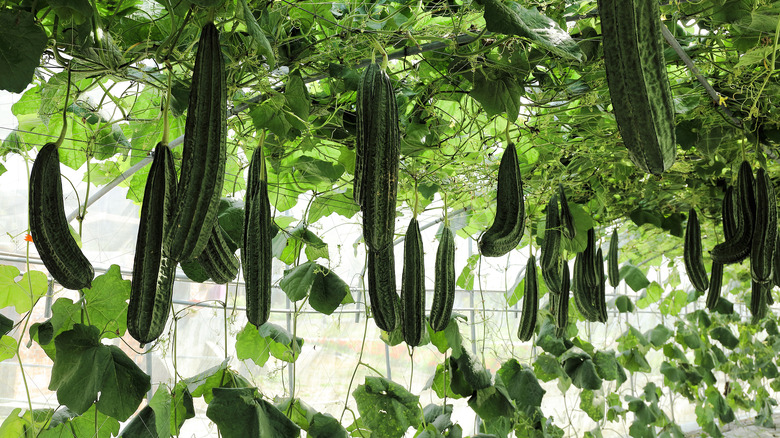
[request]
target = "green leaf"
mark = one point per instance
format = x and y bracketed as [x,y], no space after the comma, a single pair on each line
[7,347]
[659,335]
[580,368]
[474,375]
[466,278]
[608,368]
[725,337]
[281,342]
[325,426]
[22,42]
[497,92]
[244,13]
[492,403]
[161,405]
[624,304]
[521,384]
[650,296]
[510,18]
[231,218]
[89,424]
[592,402]
[6,324]
[671,372]
[20,294]
[242,413]
[143,425]
[297,281]
[315,171]
[328,291]
[634,361]
[250,345]
[84,367]
[106,302]
[297,98]
[327,204]
[299,413]
[440,382]
[634,277]
[548,341]
[386,407]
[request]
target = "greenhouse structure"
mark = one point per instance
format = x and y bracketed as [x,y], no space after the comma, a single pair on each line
[433,218]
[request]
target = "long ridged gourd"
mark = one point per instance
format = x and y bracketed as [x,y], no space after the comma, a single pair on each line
[385,304]
[764,230]
[551,261]
[613,269]
[375,186]
[692,253]
[567,218]
[583,294]
[217,259]
[637,80]
[737,248]
[562,303]
[507,228]
[49,226]
[716,280]
[600,302]
[444,281]
[256,255]
[413,287]
[151,288]
[204,152]
[530,302]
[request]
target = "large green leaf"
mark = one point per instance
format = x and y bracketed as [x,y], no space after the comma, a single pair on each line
[84,367]
[250,345]
[328,291]
[106,302]
[89,424]
[521,384]
[7,347]
[22,41]
[23,293]
[242,413]
[280,341]
[244,13]
[386,407]
[580,368]
[512,19]
[6,324]
[498,92]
